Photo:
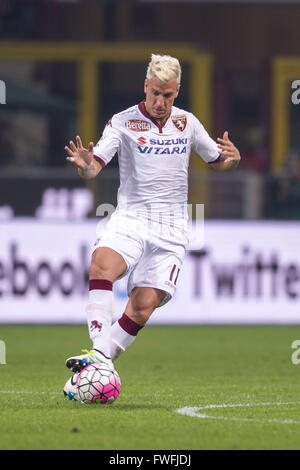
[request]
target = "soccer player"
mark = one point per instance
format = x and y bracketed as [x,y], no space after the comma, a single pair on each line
[147,234]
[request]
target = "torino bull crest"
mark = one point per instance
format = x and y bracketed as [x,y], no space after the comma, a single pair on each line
[179,122]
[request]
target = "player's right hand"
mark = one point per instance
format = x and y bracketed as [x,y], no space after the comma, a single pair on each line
[80,156]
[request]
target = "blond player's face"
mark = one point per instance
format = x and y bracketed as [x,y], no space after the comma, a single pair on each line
[160,97]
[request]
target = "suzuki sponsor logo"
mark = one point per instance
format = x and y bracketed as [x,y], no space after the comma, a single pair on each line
[138,125]
[162,150]
[168,141]
[163,146]
[142,141]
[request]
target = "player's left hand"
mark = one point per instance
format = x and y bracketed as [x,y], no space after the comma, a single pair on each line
[228,149]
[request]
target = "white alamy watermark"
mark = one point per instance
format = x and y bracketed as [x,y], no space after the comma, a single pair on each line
[2,352]
[2,92]
[295,96]
[295,358]
[149,220]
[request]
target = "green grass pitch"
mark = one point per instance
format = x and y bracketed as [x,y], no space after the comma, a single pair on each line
[167,368]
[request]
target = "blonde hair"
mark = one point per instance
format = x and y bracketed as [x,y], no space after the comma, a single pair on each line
[164,67]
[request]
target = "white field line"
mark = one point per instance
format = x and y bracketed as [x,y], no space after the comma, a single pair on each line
[25,392]
[193,412]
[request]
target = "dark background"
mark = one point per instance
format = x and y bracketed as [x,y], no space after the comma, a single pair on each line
[243,37]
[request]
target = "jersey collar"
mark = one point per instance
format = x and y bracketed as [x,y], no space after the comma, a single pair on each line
[143,110]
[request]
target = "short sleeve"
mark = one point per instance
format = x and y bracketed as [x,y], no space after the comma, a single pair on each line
[202,143]
[109,144]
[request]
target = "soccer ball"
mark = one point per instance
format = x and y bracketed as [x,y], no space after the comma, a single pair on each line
[98,383]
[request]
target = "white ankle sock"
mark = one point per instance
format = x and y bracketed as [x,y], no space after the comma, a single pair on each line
[99,315]
[123,334]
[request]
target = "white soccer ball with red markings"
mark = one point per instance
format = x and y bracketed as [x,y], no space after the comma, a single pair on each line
[98,383]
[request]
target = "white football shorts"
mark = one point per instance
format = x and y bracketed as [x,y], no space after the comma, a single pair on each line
[153,251]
